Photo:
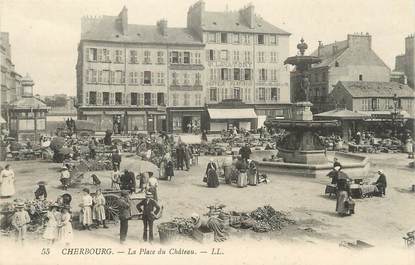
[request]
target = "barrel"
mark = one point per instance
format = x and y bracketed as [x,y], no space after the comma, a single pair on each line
[167,232]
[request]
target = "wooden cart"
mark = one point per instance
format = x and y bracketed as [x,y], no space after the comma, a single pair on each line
[112,206]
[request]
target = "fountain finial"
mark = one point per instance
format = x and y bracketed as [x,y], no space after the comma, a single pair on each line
[302,46]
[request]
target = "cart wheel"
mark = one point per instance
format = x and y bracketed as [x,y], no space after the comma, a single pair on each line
[111,207]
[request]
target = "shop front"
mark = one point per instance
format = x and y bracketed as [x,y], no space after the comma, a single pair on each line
[228,118]
[182,120]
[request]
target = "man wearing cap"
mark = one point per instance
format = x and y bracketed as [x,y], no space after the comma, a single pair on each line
[19,221]
[381,182]
[124,214]
[149,208]
[64,177]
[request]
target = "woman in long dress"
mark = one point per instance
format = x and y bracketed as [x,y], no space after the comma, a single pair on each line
[51,231]
[343,193]
[7,182]
[212,179]
[86,209]
[98,212]
[65,234]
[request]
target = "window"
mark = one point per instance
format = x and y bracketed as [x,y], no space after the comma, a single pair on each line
[147,99]
[275,93]
[360,77]
[160,57]
[247,39]
[198,100]
[261,39]
[147,77]
[224,37]
[118,56]
[247,56]
[134,99]
[147,57]
[235,38]
[105,98]
[247,74]
[223,74]
[133,77]
[211,55]
[186,79]
[186,101]
[236,56]
[212,37]
[237,93]
[261,57]
[160,99]
[92,98]
[93,54]
[197,79]
[119,77]
[375,104]
[94,76]
[118,98]
[175,100]
[273,57]
[174,78]
[175,57]
[324,77]
[261,93]
[236,74]
[273,39]
[274,75]
[160,78]
[133,56]
[213,94]
[224,55]
[262,74]
[197,58]
[186,57]
[106,55]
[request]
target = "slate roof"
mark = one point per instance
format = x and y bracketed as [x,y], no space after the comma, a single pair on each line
[341,114]
[364,89]
[233,22]
[28,103]
[107,30]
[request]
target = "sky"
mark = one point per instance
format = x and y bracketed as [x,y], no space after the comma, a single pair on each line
[44,34]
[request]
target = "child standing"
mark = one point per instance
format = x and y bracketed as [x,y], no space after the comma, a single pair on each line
[65,227]
[86,209]
[51,231]
[98,211]
[19,221]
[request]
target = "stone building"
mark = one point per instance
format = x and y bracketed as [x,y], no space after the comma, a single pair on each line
[405,62]
[244,62]
[377,99]
[152,78]
[349,60]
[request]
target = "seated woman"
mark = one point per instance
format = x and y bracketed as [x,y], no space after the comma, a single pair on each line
[212,224]
[212,179]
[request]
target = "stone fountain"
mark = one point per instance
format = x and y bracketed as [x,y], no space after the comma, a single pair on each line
[301,151]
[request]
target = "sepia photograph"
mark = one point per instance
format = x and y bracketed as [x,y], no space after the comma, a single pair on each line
[207,132]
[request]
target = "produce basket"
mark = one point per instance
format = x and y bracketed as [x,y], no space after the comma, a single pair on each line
[168,231]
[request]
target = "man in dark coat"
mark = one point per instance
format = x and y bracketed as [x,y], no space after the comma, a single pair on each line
[381,182]
[124,214]
[245,152]
[180,156]
[116,160]
[127,181]
[149,208]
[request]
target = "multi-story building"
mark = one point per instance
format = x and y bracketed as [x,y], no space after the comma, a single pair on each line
[374,98]
[244,62]
[151,78]
[124,72]
[349,60]
[405,62]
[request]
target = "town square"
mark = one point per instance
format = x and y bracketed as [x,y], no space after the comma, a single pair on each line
[239,136]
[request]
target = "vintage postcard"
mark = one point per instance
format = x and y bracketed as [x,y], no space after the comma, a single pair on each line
[207,132]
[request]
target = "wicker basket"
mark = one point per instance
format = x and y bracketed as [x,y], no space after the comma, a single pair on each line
[167,232]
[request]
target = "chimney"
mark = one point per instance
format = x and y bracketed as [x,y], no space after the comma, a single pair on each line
[359,41]
[320,45]
[248,15]
[195,16]
[162,26]
[335,48]
[122,21]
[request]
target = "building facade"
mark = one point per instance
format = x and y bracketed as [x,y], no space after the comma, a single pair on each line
[349,60]
[152,78]
[374,98]
[405,62]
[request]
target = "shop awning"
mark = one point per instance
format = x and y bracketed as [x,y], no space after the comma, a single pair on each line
[114,112]
[134,112]
[224,114]
[2,120]
[343,114]
[92,112]
[384,114]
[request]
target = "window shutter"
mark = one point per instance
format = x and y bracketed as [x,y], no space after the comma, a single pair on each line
[86,98]
[87,76]
[278,94]
[230,74]
[218,55]
[257,94]
[268,93]
[192,58]
[112,98]
[123,98]
[142,78]
[153,99]
[99,98]
[99,58]
[88,54]
[152,81]
[241,93]
[141,99]
[128,99]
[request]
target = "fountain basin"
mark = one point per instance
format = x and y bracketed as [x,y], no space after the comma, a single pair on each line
[356,166]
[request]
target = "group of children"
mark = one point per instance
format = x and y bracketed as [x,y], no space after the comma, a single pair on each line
[92,209]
